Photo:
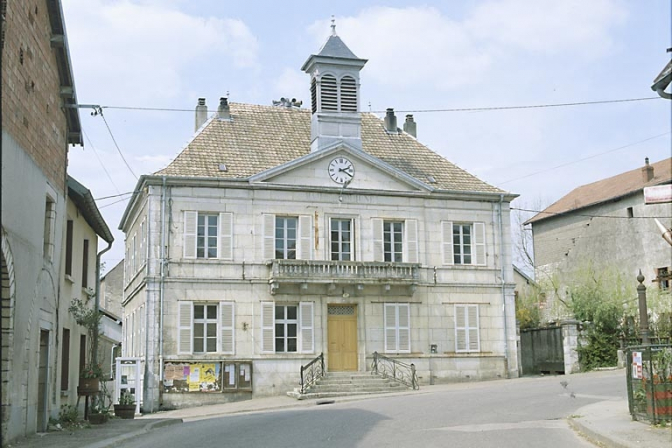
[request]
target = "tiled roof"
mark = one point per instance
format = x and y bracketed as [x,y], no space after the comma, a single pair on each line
[606,189]
[261,137]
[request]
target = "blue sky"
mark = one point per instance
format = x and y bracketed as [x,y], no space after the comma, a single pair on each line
[434,55]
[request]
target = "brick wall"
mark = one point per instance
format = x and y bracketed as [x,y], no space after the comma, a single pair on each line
[31,102]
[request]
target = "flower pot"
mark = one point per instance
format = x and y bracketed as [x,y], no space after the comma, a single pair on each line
[88,386]
[126,411]
[98,419]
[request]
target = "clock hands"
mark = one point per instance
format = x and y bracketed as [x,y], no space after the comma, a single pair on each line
[346,171]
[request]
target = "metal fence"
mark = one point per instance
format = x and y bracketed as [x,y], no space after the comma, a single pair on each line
[649,380]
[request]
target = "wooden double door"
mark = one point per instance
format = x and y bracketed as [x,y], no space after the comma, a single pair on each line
[342,337]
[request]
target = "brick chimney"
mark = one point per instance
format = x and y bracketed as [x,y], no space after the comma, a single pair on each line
[390,121]
[201,114]
[223,111]
[647,171]
[410,126]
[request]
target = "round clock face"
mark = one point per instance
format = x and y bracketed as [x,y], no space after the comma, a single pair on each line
[341,170]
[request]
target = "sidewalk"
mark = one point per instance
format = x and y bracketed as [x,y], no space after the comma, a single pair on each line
[606,422]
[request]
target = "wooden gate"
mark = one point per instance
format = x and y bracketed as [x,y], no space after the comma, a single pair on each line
[541,351]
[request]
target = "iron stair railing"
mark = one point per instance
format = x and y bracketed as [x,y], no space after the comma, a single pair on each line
[312,372]
[395,370]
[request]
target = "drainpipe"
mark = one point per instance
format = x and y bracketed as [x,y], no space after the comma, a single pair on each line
[501,255]
[162,273]
[149,274]
[96,332]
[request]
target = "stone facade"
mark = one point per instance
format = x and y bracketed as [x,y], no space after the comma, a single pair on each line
[263,245]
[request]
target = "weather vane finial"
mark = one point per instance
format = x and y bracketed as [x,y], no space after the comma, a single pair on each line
[333,26]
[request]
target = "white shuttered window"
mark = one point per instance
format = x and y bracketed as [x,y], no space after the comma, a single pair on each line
[283,331]
[211,329]
[397,328]
[208,235]
[463,243]
[467,337]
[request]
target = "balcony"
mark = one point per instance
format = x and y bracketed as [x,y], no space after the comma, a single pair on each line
[332,273]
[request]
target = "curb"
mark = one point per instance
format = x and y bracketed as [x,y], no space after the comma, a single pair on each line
[147,428]
[593,436]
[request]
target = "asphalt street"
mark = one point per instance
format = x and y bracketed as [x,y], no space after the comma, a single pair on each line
[524,413]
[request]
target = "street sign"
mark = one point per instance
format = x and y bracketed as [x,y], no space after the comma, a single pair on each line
[637,365]
[658,194]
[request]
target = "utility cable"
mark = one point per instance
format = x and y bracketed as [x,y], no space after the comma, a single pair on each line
[100,161]
[460,109]
[99,111]
[583,159]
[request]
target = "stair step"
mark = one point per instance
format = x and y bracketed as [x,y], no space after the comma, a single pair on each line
[343,384]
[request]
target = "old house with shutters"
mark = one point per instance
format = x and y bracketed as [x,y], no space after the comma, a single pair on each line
[280,233]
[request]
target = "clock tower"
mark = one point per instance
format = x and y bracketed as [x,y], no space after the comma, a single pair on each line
[334,94]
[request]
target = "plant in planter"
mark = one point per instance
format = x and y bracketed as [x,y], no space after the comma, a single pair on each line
[100,409]
[89,318]
[126,406]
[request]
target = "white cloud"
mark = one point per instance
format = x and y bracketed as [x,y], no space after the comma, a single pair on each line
[142,51]
[422,46]
[292,84]
[548,26]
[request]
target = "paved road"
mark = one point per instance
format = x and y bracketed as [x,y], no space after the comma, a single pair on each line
[529,412]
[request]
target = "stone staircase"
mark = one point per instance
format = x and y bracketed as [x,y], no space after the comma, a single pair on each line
[342,384]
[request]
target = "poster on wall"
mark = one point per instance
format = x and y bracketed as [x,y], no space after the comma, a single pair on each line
[191,377]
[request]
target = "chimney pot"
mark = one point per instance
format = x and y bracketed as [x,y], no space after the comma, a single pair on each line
[390,121]
[224,111]
[647,171]
[201,114]
[410,126]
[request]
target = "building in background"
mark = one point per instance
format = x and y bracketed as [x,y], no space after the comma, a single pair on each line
[609,225]
[280,233]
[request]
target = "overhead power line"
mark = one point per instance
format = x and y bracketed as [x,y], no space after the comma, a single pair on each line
[583,159]
[457,109]
[588,215]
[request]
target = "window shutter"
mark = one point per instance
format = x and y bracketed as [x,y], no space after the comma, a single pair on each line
[411,241]
[472,318]
[267,327]
[269,236]
[460,328]
[143,243]
[226,236]
[377,239]
[185,318]
[190,224]
[404,327]
[479,242]
[306,324]
[447,245]
[226,321]
[304,238]
[390,327]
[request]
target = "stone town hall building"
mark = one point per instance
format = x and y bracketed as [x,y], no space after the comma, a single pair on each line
[280,233]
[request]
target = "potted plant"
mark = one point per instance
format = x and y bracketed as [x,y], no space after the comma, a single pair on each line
[89,379]
[126,406]
[100,409]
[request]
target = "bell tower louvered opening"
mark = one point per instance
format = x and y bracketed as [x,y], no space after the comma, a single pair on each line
[334,94]
[348,94]
[313,95]
[329,93]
